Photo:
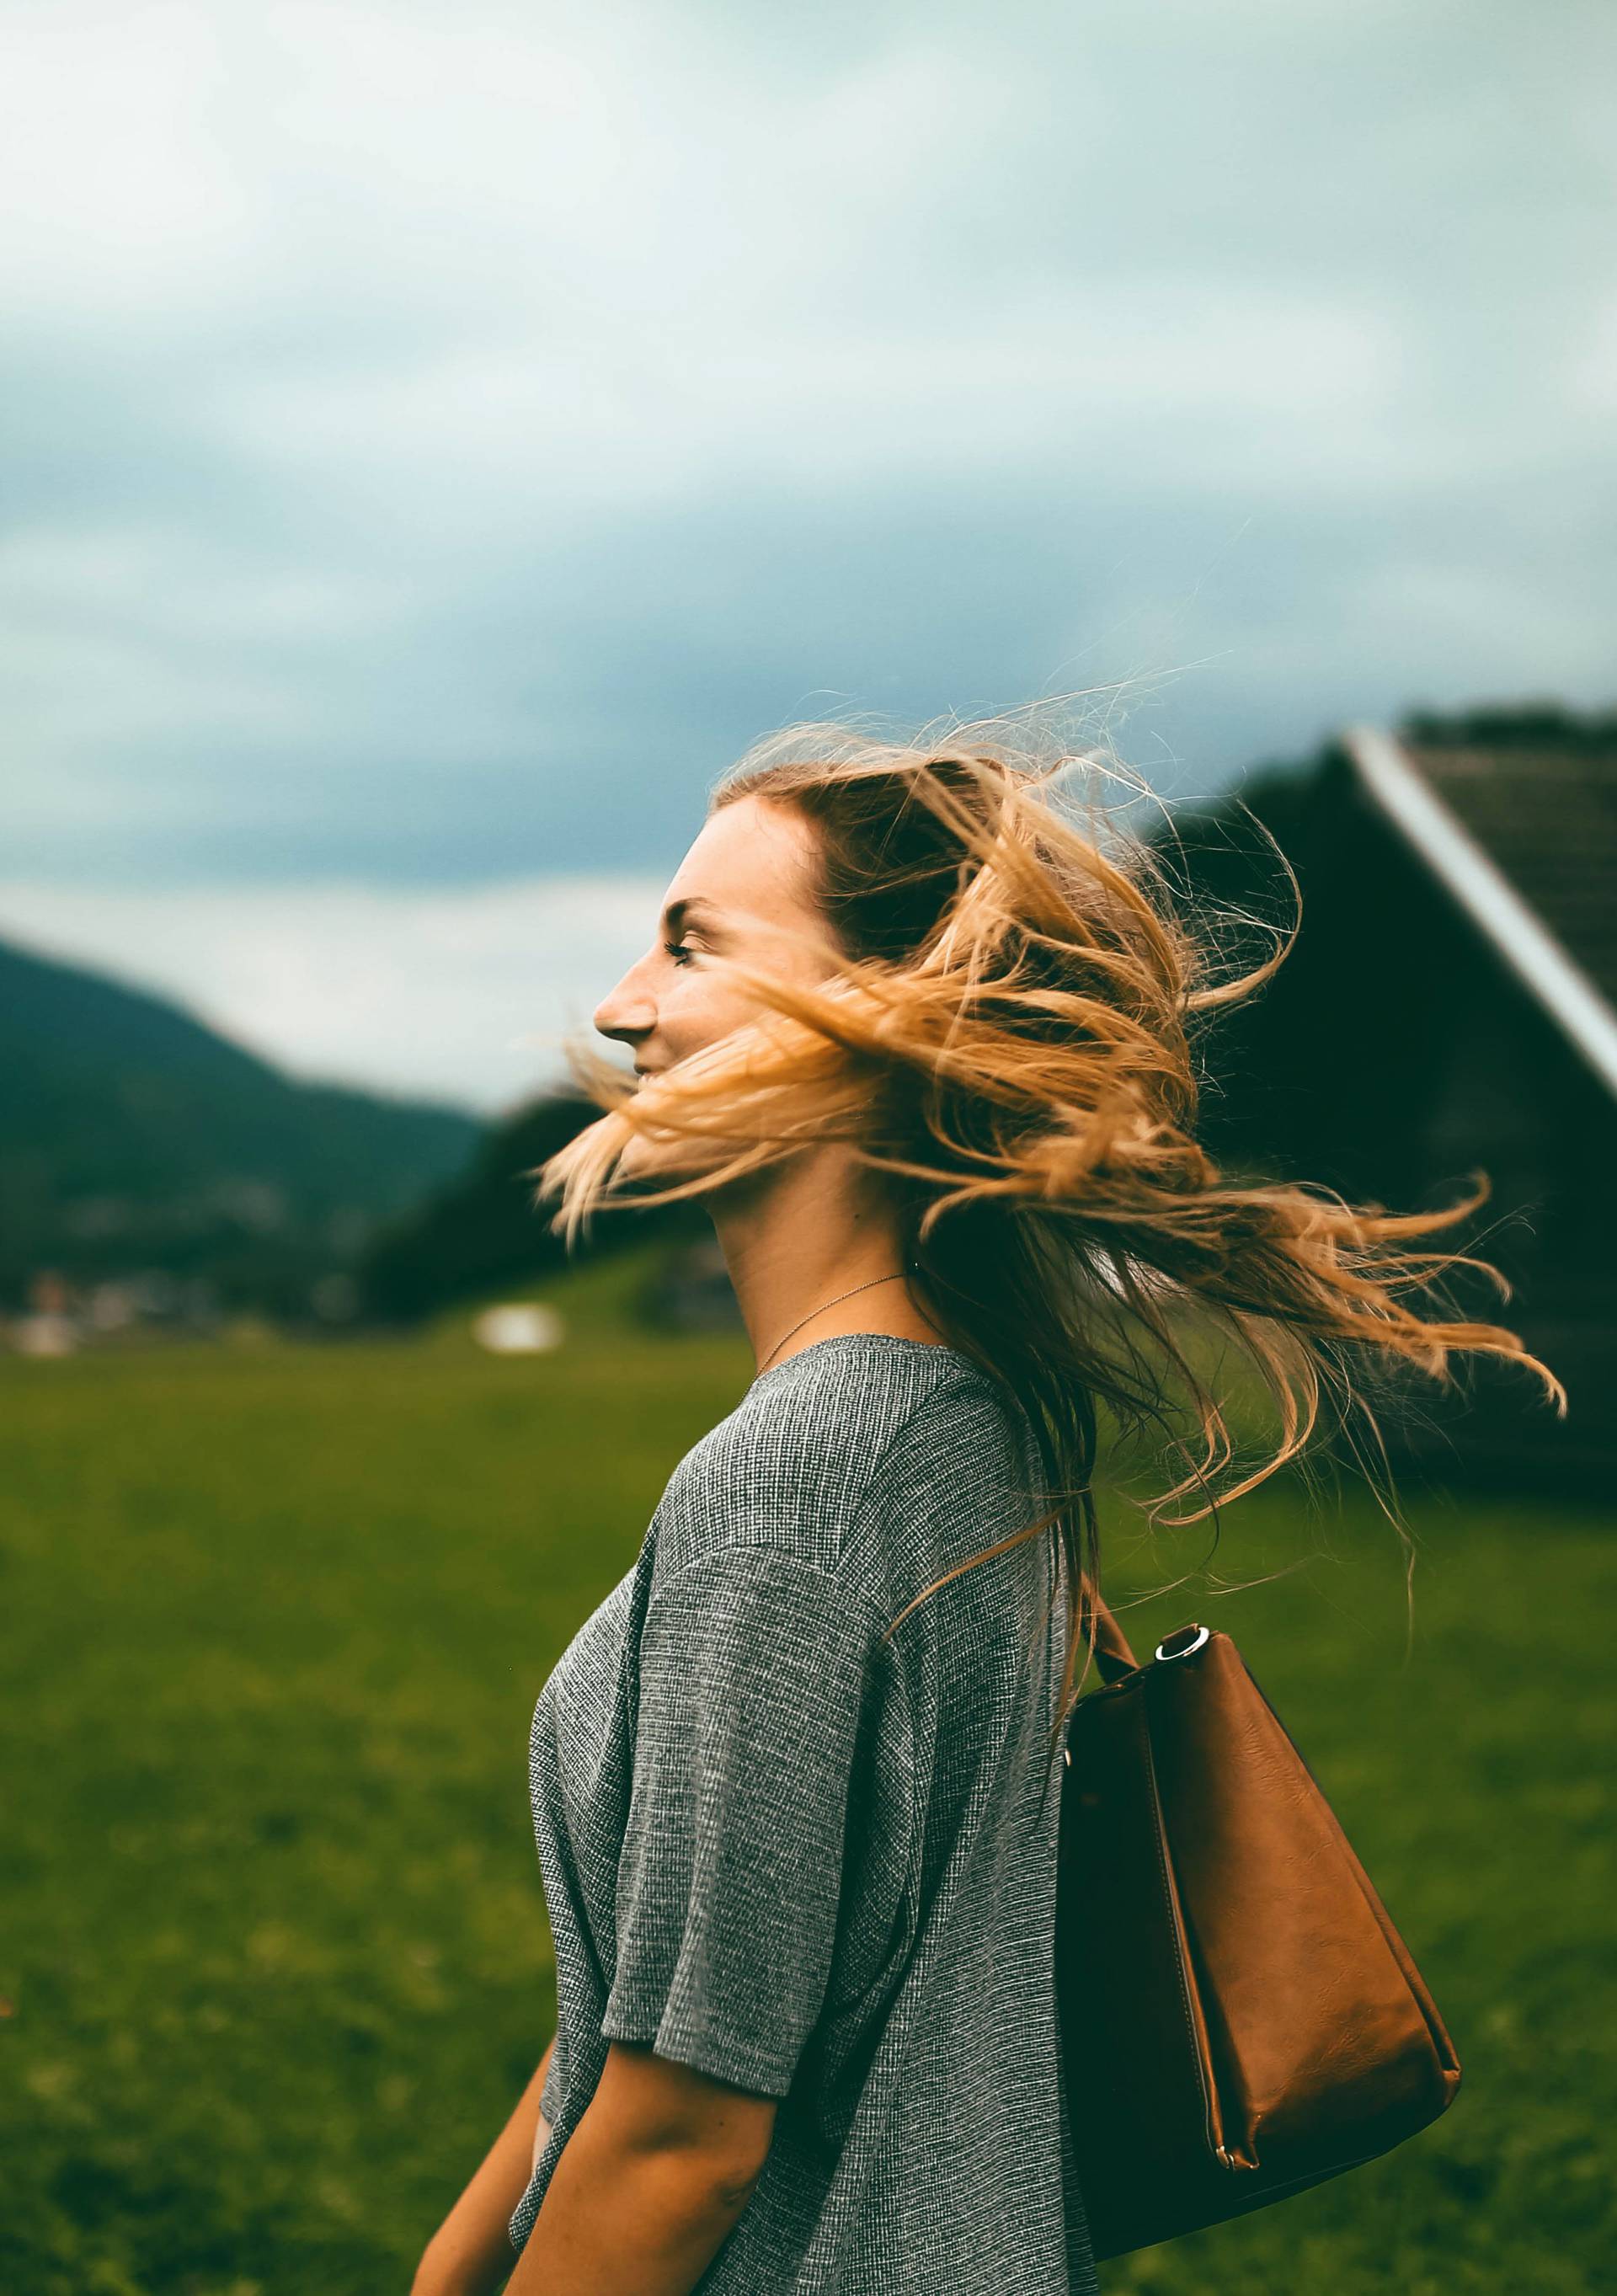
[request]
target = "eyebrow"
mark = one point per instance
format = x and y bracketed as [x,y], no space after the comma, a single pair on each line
[675,914]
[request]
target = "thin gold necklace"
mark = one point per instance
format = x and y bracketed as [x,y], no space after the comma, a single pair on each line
[820,1310]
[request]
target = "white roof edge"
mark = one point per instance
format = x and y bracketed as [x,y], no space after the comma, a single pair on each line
[1487,896]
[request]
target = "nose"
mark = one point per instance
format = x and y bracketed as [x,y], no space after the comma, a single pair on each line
[625,1014]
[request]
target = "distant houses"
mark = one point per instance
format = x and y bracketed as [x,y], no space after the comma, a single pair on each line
[1450,1006]
[161,1177]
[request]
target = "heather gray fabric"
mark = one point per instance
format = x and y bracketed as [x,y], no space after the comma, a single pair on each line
[820,1866]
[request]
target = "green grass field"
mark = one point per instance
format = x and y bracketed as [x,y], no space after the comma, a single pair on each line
[273,1950]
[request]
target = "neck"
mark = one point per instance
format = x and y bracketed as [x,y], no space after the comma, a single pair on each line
[799,1235]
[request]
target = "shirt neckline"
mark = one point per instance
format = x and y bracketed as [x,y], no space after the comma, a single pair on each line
[866,1338]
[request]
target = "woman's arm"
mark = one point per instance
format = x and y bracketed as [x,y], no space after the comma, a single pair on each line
[649,2184]
[469,2254]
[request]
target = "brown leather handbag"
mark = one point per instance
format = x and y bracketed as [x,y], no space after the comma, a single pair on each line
[1240,2019]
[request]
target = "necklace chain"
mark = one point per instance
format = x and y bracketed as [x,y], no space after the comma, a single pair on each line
[820,1310]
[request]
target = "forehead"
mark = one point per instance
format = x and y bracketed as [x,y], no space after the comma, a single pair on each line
[750,858]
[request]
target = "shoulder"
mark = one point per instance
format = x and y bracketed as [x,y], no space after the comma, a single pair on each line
[842,1433]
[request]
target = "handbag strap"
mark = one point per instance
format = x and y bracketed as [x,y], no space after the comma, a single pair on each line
[1113,1654]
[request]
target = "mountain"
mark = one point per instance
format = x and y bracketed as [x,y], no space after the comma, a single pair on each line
[134,1138]
[482,1232]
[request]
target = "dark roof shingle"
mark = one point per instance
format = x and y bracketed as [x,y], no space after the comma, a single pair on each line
[1537,789]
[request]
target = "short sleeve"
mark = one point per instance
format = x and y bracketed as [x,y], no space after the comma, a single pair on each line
[754,1670]
[555,2079]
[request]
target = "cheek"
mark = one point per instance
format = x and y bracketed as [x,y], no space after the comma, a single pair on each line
[698,1013]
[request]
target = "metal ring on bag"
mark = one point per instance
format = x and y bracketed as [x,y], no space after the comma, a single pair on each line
[1202,1635]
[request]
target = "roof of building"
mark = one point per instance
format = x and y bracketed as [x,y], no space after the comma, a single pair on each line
[1515,811]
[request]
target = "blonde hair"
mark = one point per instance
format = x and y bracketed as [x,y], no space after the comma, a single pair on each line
[1005,1032]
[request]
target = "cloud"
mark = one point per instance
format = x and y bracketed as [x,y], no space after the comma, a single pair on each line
[439,440]
[121,198]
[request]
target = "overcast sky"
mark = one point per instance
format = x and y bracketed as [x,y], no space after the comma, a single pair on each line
[439,438]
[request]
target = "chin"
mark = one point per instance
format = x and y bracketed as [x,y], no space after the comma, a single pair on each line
[644,1159]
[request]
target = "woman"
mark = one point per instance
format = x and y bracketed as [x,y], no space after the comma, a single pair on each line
[921,1036]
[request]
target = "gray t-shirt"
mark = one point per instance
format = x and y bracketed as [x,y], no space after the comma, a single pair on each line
[820,1865]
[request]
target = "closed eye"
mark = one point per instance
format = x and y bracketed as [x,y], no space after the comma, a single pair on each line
[678,950]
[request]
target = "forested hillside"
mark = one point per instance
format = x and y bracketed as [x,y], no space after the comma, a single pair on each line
[134,1136]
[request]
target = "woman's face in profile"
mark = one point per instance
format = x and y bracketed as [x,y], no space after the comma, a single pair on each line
[746,890]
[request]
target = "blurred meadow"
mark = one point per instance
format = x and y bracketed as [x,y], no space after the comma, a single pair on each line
[274,1958]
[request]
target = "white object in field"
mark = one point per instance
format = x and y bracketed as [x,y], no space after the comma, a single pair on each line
[519,1327]
[44,1333]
